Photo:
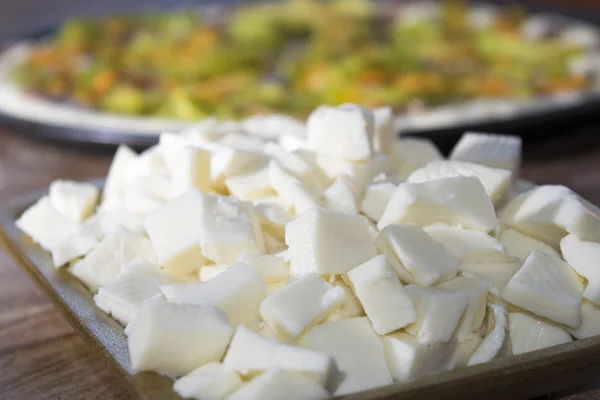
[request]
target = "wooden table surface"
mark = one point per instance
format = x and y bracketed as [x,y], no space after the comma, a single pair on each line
[41,357]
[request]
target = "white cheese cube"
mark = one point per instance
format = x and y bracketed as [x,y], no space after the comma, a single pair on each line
[273,219]
[328,242]
[496,181]
[361,173]
[74,200]
[410,154]
[376,198]
[273,126]
[590,321]
[496,151]
[115,180]
[45,225]
[150,163]
[238,291]
[491,266]
[157,188]
[528,333]
[385,132]
[250,353]
[174,339]
[304,168]
[240,141]
[496,342]
[381,294]
[583,257]
[112,256]
[297,195]
[171,290]
[357,352]
[175,230]
[273,245]
[75,246]
[456,201]
[194,225]
[274,288]
[139,204]
[521,245]
[122,296]
[190,168]
[212,381]
[277,384]
[415,256]
[472,319]
[341,196]
[409,359]
[250,185]
[292,142]
[461,242]
[300,305]
[550,212]
[344,132]
[548,287]
[350,307]
[227,163]
[118,218]
[438,313]
[273,268]
[210,271]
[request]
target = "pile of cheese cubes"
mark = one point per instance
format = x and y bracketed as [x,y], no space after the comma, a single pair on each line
[270,258]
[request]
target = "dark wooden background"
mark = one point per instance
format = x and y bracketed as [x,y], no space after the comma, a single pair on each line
[41,357]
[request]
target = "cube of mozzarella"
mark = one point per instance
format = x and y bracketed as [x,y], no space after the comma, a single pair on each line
[175,230]
[357,352]
[174,339]
[190,168]
[328,242]
[456,201]
[296,194]
[115,180]
[550,212]
[528,333]
[496,151]
[496,182]
[73,247]
[381,294]
[409,359]
[292,310]
[250,353]
[250,185]
[376,198]
[228,162]
[410,154]
[45,225]
[74,200]
[112,256]
[361,173]
[491,266]
[238,291]
[415,256]
[208,272]
[477,294]
[344,132]
[122,296]
[583,256]
[438,313]
[521,245]
[546,286]
[385,132]
[350,307]
[278,384]
[462,242]
[341,196]
[273,126]
[273,268]
[273,219]
[212,381]
[297,163]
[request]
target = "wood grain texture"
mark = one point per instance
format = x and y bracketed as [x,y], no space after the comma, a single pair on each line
[41,357]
